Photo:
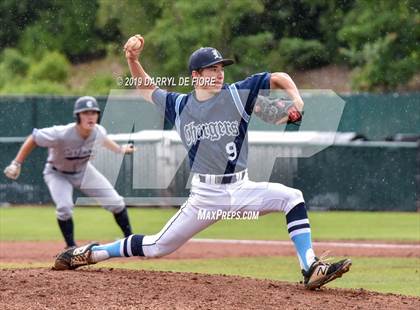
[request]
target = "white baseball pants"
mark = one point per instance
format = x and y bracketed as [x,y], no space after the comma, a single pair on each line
[94,185]
[244,195]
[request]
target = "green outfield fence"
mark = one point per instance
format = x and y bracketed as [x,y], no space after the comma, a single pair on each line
[362,175]
[374,116]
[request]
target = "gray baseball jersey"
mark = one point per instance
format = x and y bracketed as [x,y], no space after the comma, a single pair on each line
[67,150]
[215,131]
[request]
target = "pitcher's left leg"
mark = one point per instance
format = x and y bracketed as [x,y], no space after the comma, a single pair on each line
[265,197]
[272,197]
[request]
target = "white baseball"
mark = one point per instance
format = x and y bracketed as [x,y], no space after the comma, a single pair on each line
[134,43]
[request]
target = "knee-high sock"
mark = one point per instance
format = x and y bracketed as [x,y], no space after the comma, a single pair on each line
[300,233]
[130,246]
[66,228]
[123,221]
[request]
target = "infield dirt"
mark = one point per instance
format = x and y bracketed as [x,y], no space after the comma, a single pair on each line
[93,288]
[125,289]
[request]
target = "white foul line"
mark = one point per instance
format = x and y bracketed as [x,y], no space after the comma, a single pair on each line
[333,244]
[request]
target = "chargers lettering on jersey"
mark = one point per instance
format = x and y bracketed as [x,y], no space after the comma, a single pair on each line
[212,131]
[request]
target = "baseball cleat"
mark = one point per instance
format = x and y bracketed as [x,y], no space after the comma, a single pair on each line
[74,257]
[320,273]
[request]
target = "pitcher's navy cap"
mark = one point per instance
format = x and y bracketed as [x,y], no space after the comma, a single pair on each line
[206,57]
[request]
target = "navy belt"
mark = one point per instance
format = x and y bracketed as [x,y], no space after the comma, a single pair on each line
[65,172]
[222,179]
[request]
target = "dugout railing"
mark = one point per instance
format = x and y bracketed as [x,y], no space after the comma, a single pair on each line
[346,175]
[363,175]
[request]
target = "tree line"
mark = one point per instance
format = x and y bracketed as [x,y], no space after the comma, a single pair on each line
[379,40]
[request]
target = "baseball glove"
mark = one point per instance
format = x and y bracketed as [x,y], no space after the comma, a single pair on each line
[272,110]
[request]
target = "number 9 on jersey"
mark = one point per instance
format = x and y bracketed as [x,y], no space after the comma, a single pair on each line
[231,150]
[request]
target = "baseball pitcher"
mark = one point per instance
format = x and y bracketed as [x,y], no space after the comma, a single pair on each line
[212,122]
[69,149]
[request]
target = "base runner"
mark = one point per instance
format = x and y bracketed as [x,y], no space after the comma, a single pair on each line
[69,149]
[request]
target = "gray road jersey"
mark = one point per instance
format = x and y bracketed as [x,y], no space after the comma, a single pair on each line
[67,150]
[213,132]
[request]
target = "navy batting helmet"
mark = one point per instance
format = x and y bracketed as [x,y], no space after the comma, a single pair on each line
[85,103]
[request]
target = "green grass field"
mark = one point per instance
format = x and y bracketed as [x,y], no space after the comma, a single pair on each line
[396,275]
[39,223]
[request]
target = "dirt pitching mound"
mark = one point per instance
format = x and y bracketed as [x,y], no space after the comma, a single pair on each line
[124,289]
